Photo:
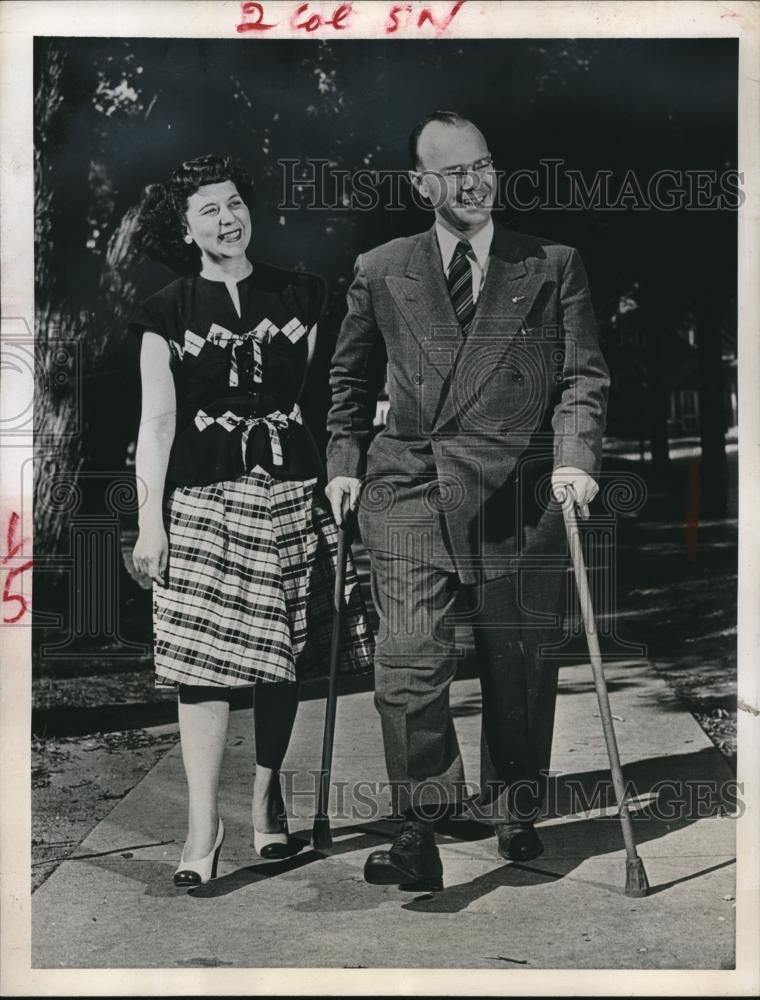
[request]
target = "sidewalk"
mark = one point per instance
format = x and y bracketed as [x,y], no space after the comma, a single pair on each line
[116,906]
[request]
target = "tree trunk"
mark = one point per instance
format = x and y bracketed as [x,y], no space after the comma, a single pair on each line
[657,393]
[712,418]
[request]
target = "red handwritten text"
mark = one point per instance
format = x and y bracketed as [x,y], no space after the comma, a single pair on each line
[304,18]
[424,16]
[255,11]
[314,21]
[14,546]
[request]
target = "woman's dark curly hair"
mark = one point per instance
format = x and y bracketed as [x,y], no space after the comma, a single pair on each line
[160,228]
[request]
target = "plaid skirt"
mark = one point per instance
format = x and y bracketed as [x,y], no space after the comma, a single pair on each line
[249,586]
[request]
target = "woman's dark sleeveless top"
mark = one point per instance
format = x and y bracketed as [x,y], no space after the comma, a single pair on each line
[238,378]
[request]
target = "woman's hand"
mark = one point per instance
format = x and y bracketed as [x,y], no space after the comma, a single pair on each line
[150,553]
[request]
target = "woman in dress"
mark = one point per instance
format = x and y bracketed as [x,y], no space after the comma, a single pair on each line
[233,529]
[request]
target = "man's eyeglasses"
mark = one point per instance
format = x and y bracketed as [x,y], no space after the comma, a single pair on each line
[478,167]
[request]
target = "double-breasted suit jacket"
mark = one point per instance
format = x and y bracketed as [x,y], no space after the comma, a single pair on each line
[477,423]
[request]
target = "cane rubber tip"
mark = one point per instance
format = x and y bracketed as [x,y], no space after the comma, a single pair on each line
[321,837]
[636,882]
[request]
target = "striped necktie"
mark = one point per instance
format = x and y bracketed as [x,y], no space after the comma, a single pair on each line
[460,285]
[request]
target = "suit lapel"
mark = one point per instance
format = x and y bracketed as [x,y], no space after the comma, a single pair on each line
[423,299]
[508,293]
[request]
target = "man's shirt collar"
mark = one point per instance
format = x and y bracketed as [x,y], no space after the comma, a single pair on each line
[480,243]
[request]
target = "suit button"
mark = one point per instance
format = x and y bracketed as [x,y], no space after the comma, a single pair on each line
[518,377]
[417,378]
[435,437]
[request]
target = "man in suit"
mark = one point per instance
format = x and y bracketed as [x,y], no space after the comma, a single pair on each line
[497,393]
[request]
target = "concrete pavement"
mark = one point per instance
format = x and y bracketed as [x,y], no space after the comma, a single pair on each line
[114,905]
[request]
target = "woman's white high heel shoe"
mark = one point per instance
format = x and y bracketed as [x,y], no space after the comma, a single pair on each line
[273,846]
[192,873]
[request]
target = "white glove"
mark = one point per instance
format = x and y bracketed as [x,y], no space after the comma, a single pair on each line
[575,483]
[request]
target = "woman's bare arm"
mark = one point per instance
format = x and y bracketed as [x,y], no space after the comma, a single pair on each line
[158,419]
[311,341]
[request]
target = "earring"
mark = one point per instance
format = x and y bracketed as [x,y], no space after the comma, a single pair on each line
[188,238]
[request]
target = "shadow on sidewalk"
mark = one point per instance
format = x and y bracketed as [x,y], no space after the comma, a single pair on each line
[692,785]
[456,898]
[672,791]
[157,875]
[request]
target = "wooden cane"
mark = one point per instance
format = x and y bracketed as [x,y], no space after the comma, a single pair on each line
[636,883]
[321,835]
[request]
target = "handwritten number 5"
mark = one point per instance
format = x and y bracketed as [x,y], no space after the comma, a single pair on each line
[19,598]
[13,548]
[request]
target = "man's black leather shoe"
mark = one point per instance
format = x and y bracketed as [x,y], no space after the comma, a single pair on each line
[518,841]
[411,860]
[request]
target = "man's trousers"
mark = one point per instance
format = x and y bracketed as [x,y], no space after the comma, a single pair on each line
[514,618]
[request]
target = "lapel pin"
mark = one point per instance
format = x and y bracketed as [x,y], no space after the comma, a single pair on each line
[517,298]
